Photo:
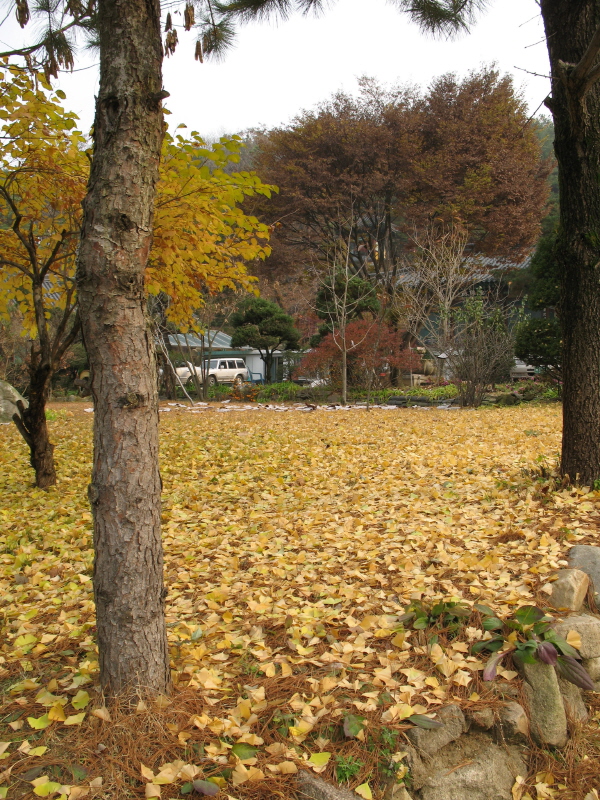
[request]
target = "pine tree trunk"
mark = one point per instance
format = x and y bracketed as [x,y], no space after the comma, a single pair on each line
[31,422]
[117,230]
[569,29]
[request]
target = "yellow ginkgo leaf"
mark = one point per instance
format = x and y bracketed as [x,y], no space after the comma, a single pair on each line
[47,788]
[40,723]
[188,772]
[75,719]
[166,775]
[77,792]
[152,790]
[240,774]
[574,639]
[364,790]
[80,700]
[57,713]
[318,761]
[285,768]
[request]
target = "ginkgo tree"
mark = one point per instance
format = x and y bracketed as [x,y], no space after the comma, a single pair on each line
[202,240]
[43,176]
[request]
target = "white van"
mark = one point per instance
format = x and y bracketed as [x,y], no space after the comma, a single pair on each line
[220,370]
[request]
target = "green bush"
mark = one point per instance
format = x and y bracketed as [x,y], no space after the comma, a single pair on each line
[286,390]
[219,392]
[551,393]
[436,393]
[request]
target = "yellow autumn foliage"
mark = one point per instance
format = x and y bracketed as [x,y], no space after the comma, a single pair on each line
[203,240]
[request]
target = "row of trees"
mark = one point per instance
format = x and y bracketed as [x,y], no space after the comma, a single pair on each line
[368,171]
[444,302]
[116,242]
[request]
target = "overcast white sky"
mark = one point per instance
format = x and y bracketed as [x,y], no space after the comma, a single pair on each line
[277,69]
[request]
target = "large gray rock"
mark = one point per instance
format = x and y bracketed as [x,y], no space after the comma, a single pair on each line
[512,726]
[8,401]
[454,725]
[470,768]
[546,707]
[396,792]
[569,590]
[311,787]
[588,627]
[505,689]
[573,701]
[483,718]
[586,557]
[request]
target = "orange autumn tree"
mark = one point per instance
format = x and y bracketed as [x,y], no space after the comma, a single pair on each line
[202,239]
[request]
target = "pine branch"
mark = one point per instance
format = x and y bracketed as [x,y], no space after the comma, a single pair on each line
[443,17]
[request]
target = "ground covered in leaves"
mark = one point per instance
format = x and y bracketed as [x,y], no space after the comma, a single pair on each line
[293,542]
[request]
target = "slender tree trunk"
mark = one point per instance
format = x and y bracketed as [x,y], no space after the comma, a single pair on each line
[344,371]
[31,422]
[196,378]
[117,231]
[169,378]
[570,26]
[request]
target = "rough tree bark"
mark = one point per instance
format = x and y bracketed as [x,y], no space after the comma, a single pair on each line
[572,32]
[117,230]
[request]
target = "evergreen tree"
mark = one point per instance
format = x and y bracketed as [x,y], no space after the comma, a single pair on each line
[266,327]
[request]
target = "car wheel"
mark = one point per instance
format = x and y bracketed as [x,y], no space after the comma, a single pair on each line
[238,380]
[212,381]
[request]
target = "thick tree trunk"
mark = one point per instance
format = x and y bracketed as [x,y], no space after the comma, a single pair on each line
[31,422]
[570,25]
[117,231]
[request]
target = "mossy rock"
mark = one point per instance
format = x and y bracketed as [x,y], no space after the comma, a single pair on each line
[529,394]
[507,400]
